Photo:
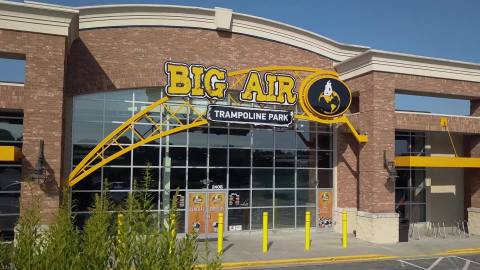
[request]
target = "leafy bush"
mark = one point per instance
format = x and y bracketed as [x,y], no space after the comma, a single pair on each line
[132,236]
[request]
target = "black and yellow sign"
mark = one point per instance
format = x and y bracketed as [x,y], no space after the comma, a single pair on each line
[326,96]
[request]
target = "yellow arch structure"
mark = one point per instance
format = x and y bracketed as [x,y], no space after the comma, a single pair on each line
[101,154]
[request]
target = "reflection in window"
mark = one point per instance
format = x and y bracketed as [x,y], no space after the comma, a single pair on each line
[284,178]
[285,217]
[262,178]
[284,197]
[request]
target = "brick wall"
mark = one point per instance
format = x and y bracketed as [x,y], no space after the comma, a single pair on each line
[41,99]
[116,58]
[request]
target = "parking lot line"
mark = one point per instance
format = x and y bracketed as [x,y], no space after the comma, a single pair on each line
[411,264]
[435,263]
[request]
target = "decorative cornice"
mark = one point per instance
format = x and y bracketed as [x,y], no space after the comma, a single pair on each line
[375,60]
[181,16]
[37,17]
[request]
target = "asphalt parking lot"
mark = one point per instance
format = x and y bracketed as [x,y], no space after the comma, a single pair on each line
[460,262]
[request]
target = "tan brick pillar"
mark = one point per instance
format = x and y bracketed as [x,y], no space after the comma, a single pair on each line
[43,119]
[376,218]
[472,177]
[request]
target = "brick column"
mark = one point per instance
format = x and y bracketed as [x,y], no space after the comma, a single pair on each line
[376,218]
[43,119]
[472,176]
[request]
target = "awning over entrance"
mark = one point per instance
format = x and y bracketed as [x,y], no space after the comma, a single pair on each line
[437,161]
[10,153]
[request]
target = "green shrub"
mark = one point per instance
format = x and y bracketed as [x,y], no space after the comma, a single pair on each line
[130,239]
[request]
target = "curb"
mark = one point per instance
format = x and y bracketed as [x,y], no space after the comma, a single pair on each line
[303,261]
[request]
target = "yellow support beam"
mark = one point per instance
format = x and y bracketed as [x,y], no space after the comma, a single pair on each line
[437,162]
[10,153]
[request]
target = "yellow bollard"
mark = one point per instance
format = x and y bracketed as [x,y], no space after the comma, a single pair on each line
[307,230]
[265,232]
[344,229]
[220,234]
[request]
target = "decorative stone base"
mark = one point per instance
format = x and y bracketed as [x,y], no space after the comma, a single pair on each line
[351,219]
[380,228]
[474,220]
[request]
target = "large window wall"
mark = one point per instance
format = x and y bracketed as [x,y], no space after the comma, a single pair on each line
[265,169]
[11,133]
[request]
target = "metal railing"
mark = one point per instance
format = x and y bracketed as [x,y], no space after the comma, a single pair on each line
[438,230]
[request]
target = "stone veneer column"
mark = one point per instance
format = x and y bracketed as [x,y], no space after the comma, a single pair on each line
[472,177]
[376,220]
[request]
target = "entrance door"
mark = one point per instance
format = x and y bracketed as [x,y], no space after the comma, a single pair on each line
[203,210]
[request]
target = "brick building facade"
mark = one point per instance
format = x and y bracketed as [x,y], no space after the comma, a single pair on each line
[106,49]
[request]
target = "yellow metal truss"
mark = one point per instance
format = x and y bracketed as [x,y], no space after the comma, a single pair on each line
[173,120]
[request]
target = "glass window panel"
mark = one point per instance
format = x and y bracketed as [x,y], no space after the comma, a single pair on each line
[418,178]
[80,151]
[218,157]
[218,177]
[146,155]
[147,95]
[9,203]
[401,145]
[88,110]
[10,178]
[403,178]
[176,139]
[239,138]
[92,182]
[324,159]
[180,218]
[263,138]
[324,141]
[117,178]
[178,156]
[139,177]
[124,160]
[418,194]
[198,137]
[11,129]
[284,158]
[239,157]
[82,201]
[285,139]
[306,197]
[240,218]
[402,195]
[262,178]
[284,197]
[238,198]
[197,178]
[118,110]
[284,178]
[417,144]
[118,198]
[262,197]
[119,95]
[86,132]
[306,140]
[285,217]
[262,158]
[325,179]
[306,158]
[257,218]
[306,178]
[197,156]
[177,179]
[126,137]
[239,178]
[218,137]
[301,216]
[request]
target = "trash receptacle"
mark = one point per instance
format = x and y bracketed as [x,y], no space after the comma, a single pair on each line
[403,228]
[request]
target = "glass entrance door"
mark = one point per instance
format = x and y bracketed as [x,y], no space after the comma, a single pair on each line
[203,210]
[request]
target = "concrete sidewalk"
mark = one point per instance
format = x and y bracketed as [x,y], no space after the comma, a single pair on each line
[245,249]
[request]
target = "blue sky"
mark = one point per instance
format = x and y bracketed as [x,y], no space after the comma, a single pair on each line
[437,28]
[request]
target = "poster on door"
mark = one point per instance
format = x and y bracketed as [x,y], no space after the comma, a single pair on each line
[216,205]
[196,212]
[325,209]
